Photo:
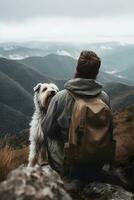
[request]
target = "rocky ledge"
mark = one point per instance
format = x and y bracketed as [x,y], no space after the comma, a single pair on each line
[45,184]
[26,183]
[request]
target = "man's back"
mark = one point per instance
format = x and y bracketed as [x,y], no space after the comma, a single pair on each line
[57,121]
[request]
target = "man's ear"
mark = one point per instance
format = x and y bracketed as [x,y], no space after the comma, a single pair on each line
[37,87]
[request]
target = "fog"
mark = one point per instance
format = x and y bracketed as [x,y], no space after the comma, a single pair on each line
[68,21]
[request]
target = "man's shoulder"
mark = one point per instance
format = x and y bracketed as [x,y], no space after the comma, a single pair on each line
[105,97]
[103,93]
[61,94]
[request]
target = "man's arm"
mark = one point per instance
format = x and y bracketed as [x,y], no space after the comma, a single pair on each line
[51,129]
[49,123]
[105,98]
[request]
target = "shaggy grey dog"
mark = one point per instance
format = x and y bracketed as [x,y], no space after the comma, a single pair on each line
[42,97]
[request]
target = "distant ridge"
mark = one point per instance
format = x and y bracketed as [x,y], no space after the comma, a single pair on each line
[17,81]
[127,73]
[14,95]
[105,78]
[12,121]
[121,95]
[56,66]
[22,74]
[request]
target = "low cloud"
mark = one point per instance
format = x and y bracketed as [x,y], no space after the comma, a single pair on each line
[19,10]
[69,29]
[71,20]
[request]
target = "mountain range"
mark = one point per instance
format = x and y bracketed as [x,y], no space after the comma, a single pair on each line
[121,95]
[63,67]
[56,66]
[18,77]
[127,73]
[115,56]
[16,99]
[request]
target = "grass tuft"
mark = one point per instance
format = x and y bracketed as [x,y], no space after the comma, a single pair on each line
[10,159]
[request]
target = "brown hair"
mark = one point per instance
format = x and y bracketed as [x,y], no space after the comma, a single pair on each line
[88,65]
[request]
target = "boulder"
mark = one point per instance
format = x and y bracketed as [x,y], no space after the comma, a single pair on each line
[43,183]
[104,191]
[25,183]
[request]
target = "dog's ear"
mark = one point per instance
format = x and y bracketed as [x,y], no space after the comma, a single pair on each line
[37,87]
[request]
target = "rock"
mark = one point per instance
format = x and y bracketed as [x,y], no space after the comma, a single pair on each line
[43,183]
[109,188]
[33,184]
[103,191]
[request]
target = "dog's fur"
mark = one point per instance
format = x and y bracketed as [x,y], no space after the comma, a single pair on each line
[43,94]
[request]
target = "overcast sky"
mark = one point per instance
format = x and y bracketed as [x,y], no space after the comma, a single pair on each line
[67,20]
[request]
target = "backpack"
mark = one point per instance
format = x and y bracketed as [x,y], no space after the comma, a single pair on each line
[90,138]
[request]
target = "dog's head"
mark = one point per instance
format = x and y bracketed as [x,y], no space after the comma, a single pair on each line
[44,93]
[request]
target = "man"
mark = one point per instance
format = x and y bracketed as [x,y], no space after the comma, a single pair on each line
[57,120]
